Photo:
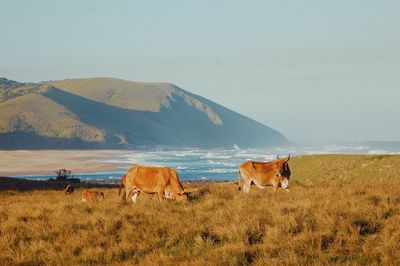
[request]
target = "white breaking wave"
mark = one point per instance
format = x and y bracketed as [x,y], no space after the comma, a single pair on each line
[214,156]
[220,170]
[184,153]
[220,163]
[381,152]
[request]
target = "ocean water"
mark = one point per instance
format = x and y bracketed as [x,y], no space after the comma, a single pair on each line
[222,164]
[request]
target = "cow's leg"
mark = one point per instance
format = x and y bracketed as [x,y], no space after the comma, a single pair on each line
[161,195]
[134,196]
[275,189]
[127,193]
[246,186]
[123,197]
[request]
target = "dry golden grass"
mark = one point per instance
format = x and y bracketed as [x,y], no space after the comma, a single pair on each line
[347,222]
[343,223]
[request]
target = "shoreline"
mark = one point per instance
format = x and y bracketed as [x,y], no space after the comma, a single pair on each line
[43,162]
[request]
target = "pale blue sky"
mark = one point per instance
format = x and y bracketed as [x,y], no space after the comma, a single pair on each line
[314,70]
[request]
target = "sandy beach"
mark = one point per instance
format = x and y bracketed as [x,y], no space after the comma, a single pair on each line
[24,162]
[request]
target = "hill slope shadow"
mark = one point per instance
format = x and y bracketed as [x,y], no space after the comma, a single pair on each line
[180,125]
[133,125]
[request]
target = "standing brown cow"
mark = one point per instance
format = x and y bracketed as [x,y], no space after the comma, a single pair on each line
[263,174]
[152,179]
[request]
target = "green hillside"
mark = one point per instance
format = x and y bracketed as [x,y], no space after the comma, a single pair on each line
[340,167]
[114,113]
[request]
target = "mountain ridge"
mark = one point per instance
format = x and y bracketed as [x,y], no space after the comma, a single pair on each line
[114,113]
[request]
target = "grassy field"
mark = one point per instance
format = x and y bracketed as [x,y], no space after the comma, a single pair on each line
[341,210]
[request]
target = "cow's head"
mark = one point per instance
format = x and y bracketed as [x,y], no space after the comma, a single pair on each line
[282,167]
[180,196]
[183,196]
[283,172]
[69,189]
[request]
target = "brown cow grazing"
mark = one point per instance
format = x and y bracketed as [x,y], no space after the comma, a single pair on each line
[152,179]
[92,195]
[69,190]
[263,174]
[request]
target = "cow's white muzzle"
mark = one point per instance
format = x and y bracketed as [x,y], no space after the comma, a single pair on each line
[285,184]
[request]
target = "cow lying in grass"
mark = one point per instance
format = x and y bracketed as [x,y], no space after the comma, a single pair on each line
[92,195]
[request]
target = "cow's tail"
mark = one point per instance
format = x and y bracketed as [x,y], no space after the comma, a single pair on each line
[239,177]
[122,184]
